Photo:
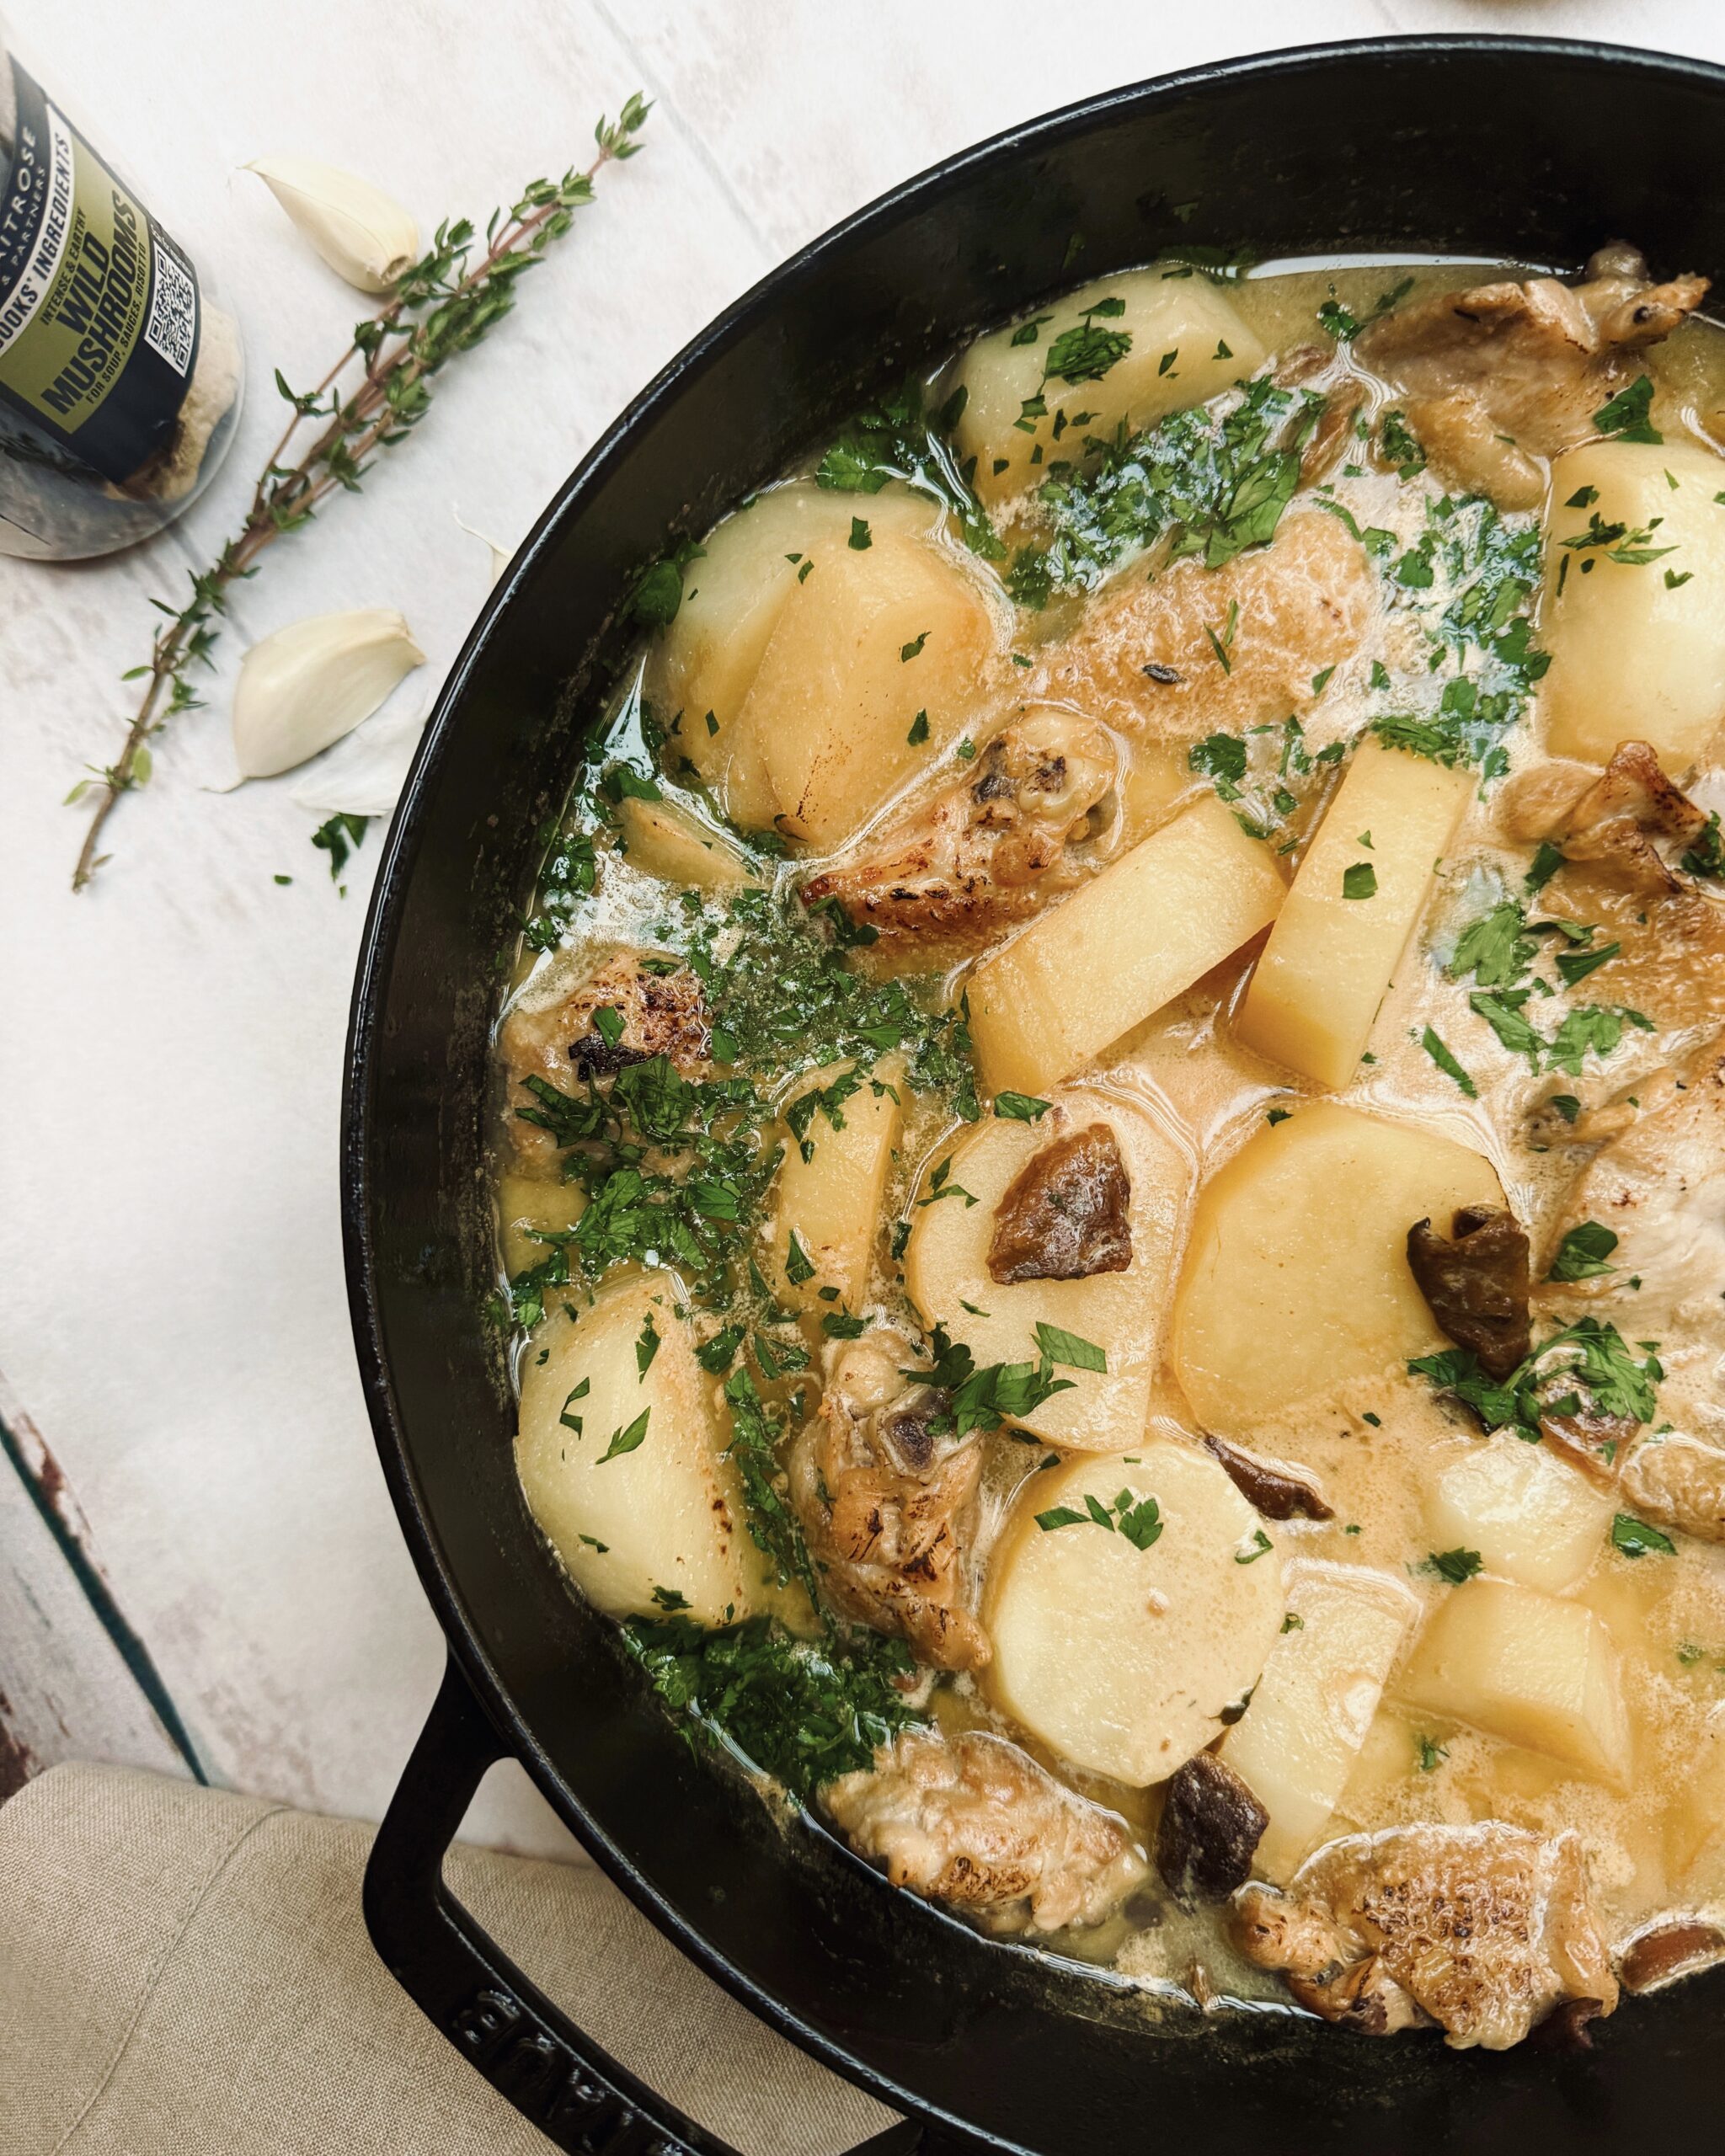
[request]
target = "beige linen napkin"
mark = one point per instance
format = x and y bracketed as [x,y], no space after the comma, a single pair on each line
[185,1972]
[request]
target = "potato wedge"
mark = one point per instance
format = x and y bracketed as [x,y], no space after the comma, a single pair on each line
[664,839]
[902,638]
[1317,987]
[1186,342]
[734,592]
[665,1514]
[1298,1741]
[829,1188]
[1526,1668]
[947,1275]
[1132,938]
[1123,1659]
[1296,1278]
[1530,1518]
[1637,646]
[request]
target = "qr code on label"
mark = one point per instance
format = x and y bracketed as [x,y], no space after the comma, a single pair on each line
[173,311]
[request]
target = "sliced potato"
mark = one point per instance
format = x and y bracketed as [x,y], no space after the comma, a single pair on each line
[1638,647]
[1526,1668]
[664,839]
[1530,1518]
[902,638]
[1296,1277]
[525,1202]
[1123,1660]
[1298,1741]
[1316,989]
[734,592]
[829,1188]
[946,1268]
[1187,341]
[665,1514]
[1119,948]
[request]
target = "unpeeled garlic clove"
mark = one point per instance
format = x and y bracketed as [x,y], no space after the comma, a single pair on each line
[364,234]
[310,683]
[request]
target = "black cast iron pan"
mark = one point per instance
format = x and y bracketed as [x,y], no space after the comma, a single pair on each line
[1480,147]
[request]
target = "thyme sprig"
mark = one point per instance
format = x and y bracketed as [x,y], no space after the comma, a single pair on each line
[371,399]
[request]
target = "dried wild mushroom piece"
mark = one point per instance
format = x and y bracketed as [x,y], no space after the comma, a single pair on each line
[1276,1492]
[1477,1285]
[1211,1823]
[1065,1214]
[1670,1951]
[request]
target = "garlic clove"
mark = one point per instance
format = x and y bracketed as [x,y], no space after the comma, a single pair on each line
[364,234]
[310,683]
[364,775]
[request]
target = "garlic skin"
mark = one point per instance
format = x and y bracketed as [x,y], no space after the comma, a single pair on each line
[313,681]
[364,775]
[364,234]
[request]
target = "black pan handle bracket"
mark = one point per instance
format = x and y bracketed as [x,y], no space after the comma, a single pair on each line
[526,2047]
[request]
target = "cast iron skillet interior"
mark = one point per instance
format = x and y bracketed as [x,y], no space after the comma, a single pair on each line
[1472,146]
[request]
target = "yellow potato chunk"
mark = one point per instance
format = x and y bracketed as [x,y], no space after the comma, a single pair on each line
[1530,1518]
[1296,1277]
[664,839]
[1636,656]
[866,646]
[525,1202]
[831,1184]
[1119,948]
[1186,342]
[1315,990]
[1299,1741]
[1122,1659]
[946,1268]
[630,1510]
[734,592]
[1528,1668]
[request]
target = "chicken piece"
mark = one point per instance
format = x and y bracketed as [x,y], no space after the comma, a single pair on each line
[886,1504]
[1142,660]
[1022,826]
[1065,1215]
[1674,1481]
[663,1014]
[1462,443]
[973,1821]
[1278,1492]
[1477,1285]
[1211,1824]
[1594,1443]
[1482,1930]
[1660,1187]
[1533,360]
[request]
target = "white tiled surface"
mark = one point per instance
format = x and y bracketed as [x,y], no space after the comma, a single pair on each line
[171,1304]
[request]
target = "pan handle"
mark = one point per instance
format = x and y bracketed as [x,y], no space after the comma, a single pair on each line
[530,2052]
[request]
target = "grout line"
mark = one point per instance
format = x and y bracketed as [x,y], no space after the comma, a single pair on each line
[60,1515]
[772,253]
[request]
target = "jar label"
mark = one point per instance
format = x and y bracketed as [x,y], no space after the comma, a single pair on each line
[99,312]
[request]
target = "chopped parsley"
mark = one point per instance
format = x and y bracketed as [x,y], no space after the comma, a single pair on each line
[1360,881]
[1020,1107]
[1446,1062]
[1628,416]
[1429,1754]
[1588,1355]
[1582,1253]
[626,1439]
[804,1711]
[1138,1520]
[1059,1346]
[1636,1538]
[1457,1566]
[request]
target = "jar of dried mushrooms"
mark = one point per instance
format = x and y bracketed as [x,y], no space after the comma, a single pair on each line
[120,375]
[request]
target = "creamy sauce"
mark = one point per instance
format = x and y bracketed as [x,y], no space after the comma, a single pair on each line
[1377,1444]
